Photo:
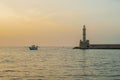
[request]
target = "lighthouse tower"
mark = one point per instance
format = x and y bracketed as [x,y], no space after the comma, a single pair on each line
[84,33]
[84,44]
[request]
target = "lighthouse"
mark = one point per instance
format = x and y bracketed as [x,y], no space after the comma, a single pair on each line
[84,33]
[84,44]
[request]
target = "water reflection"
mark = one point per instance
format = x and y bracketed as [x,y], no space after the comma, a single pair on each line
[84,66]
[59,64]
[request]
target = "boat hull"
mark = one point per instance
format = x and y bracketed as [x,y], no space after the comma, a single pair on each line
[33,48]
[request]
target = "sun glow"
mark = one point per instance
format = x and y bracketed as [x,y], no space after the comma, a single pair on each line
[55,22]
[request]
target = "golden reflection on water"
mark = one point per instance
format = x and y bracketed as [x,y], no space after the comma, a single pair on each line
[57,63]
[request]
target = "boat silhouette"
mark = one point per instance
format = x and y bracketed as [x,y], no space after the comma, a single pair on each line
[33,47]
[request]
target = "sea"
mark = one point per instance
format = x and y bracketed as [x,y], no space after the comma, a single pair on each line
[59,63]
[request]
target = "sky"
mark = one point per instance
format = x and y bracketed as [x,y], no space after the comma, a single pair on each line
[58,22]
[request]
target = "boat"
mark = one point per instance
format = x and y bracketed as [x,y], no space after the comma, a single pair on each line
[33,47]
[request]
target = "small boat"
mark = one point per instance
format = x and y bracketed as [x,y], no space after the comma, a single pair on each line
[33,47]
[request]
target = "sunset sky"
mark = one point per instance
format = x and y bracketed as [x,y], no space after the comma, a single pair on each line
[58,22]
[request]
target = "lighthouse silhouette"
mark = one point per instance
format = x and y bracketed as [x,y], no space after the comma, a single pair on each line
[84,44]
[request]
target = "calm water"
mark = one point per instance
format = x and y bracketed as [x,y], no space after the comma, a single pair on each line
[55,63]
